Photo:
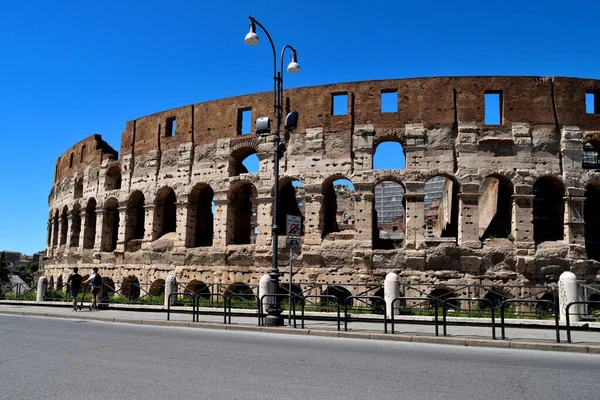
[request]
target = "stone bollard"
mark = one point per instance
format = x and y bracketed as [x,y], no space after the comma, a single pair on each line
[170,287]
[263,289]
[568,291]
[42,288]
[391,290]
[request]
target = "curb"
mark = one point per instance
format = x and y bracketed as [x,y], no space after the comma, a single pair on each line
[442,340]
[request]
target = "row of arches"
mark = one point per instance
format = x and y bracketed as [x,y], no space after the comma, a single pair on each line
[337,213]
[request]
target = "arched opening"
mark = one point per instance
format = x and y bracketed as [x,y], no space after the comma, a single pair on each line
[157,288]
[198,288]
[113,179]
[243,161]
[496,296]
[548,210]
[440,295]
[290,202]
[200,216]
[296,293]
[64,226]
[75,226]
[546,310]
[59,283]
[136,220]
[495,208]
[51,283]
[130,287]
[110,225]
[590,160]
[388,215]
[78,189]
[240,291]
[243,214]
[592,309]
[389,155]
[441,207]
[89,232]
[165,215]
[55,222]
[338,207]
[591,214]
[340,293]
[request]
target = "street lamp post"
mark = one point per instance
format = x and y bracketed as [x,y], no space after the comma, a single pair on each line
[274,309]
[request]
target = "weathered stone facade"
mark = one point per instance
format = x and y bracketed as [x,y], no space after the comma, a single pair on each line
[150,212]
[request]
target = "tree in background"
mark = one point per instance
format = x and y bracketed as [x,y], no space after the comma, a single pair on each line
[3,269]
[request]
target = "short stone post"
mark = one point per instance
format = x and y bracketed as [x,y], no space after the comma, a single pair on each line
[42,288]
[170,287]
[391,290]
[263,289]
[568,292]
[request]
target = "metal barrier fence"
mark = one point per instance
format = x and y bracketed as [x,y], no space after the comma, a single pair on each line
[178,294]
[480,300]
[326,296]
[567,314]
[433,301]
[550,303]
[352,298]
[292,306]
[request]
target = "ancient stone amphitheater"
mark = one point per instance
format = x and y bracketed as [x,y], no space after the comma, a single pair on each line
[519,201]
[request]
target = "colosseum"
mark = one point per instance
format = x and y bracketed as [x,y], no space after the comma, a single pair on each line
[518,198]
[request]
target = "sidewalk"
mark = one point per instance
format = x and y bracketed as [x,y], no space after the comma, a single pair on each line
[520,334]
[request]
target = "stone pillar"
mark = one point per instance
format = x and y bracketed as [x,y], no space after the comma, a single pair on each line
[100,216]
[571,149]
[170,287]
[391,290]
[522,217]
[575,223]
[415,214]
[42,287]
[263,289]
[468,215]
[221,233]
[264,221]
[83,215]
[363,147]
[50,248]
[148,223]
[364,216]
[122,210]
[312,224]
[69,231]
[568,292]
[182,207]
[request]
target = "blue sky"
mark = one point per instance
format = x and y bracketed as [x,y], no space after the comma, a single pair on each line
[73,68]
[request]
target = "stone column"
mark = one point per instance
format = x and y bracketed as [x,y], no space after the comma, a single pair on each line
[312,218]
[122,210]
[364,216]
[42,287]
[568,292]
[575,223]
[100,216]
[83,216]
[264,221]
[263,289]
[415,215]
[148,224]
[69,231]
[49,248]
[182,207]
[221,233]
[468,215]
[391,290]
[522,217]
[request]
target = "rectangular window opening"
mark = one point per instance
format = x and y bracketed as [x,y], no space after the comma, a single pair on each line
[244,121]
[171,128]
[389,101]
[83,148]
[592,103]
[71,161]
[340,104]
[493,108]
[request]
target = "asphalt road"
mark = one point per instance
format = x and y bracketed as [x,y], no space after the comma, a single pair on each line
[46,358]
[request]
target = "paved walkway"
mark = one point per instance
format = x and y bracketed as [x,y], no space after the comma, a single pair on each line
[522,334]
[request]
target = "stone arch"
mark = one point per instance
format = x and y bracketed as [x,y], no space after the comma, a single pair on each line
[337,206]
[290,201]
[385,148]
[387,136]
[135,221]
[590,159]
[78,189]
[89,230]
[75,225]
[55,222]
[110,225]
[108,289]
[130,287]
[548,209]
[495,207]
[389,210]
[200,226]
[441,206]
[239,154]
[239,288]
[442,293]
[165,212]
[544,310]
[199,288]
[496,295]
[340,293]
[157,288]
[242,213]
[112,181]
[64,225]
[59,283]
[591,215]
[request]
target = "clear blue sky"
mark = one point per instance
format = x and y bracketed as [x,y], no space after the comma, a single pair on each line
[73,68]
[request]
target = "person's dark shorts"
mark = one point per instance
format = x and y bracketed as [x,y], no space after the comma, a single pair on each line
[95,290]
[74,293]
